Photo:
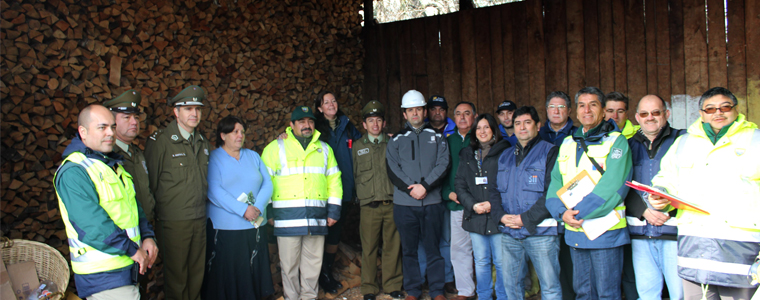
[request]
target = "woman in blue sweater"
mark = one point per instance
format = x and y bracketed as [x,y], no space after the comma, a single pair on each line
[337,131]
[239,189]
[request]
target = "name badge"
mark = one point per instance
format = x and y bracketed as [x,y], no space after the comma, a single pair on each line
[481,180]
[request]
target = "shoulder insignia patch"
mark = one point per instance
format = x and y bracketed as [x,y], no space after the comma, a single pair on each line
[362,151]
[175,137]
[616,153]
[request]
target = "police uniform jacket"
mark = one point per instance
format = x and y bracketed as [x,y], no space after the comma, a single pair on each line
[178,173]
[372,183]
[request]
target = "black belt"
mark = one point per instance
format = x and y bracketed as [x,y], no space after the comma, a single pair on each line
[375,204]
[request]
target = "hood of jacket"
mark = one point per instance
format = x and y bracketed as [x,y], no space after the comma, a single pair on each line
[741,123]
[111,159]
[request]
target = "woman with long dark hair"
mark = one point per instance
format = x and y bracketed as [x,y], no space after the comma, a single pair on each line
[339,132]
[478,165]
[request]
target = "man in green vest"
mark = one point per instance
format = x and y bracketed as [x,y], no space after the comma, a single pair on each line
[461,245]
[616,109]
[177,158]
[600,150]
[375,193]
[126,112]
[106,227]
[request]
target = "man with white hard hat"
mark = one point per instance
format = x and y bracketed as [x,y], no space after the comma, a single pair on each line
[418,160]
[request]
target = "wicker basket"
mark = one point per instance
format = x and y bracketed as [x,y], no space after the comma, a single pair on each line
[50,264]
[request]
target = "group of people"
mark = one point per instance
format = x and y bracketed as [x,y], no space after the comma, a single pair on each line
[443,202]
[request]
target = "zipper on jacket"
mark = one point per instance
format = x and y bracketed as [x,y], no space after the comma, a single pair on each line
[419,163]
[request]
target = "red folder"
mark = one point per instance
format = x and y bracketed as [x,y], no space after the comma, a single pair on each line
[675,201]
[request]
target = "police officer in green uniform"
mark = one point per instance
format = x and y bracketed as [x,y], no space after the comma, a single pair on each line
[177,158]
[126,111]
[375,194]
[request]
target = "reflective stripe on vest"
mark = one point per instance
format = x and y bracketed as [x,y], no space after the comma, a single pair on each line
[569,169]
[713,266]
[117,198]
[286,171]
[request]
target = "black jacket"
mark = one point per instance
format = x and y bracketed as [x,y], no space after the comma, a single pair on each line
[470,194]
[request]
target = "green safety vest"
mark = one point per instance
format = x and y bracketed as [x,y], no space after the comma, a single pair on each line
[117,197]
[566,163]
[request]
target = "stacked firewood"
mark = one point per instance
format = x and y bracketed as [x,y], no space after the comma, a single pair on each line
[256,59]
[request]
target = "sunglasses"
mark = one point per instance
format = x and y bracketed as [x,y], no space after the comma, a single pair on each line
[724,108]
[645,114]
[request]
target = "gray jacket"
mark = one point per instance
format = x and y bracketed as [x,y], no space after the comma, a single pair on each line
[417,158]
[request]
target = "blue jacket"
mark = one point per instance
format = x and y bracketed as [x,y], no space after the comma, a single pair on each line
[339,142]
[512,139]
[520,188]
[548,134]
[646,164]
[448,130]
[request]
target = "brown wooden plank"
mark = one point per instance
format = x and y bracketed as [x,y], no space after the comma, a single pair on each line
[482,34]
[469,66]
[716,44]
[752,28]
[677,59]
[651,45]
[497,59]
[370,89]
[382,65]
[433,51]
[392,42]
[537,52]
[737,63]
[520,51]
[618,47]
[555,41]
[663,49]
[606,47]
[695,47]
[591,37]
[576,64]
[406,60]
[451,59]
[508,51]
[419,56]
[636,60]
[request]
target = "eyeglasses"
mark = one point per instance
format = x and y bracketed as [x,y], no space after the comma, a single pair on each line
[712,110]
[552,106]
[645,114]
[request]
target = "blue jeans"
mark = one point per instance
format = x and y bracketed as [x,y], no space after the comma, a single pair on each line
[597,273]
[653,261]
[444,247]
[543,251]
[487,249]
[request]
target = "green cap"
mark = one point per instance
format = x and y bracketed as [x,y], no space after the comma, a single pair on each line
[128,102]
[302,112]
[191,95]
[373,109]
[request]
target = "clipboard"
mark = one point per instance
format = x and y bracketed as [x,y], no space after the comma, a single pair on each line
[573,192]
[675,201]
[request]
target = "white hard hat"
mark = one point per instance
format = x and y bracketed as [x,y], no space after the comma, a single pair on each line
[412,98]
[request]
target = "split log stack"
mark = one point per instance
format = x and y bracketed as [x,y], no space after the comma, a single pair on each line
[256,59]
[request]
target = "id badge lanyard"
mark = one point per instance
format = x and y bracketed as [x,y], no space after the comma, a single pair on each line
[480,179]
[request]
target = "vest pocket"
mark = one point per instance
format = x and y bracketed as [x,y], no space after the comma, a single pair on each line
[534,180]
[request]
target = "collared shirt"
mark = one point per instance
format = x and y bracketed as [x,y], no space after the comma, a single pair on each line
[124,146]
[373,139]
[184,133]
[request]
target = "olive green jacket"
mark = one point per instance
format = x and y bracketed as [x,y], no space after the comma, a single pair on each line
[178,174]
[370,170]
[136,166]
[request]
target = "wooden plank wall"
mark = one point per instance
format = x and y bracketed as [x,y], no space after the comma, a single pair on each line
[524,50]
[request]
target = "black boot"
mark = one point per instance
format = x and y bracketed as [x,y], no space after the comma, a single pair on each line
[326,280]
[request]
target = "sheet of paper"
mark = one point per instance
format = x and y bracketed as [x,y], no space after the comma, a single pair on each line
[575,193]
[596,227]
